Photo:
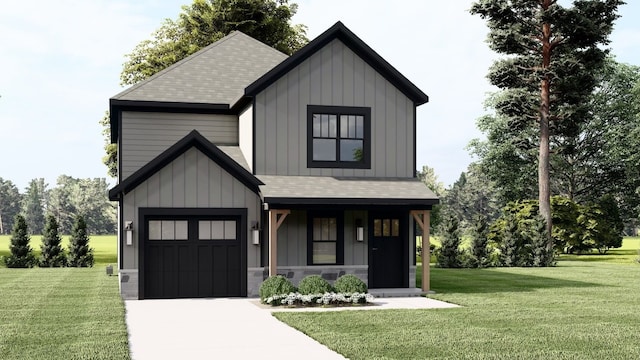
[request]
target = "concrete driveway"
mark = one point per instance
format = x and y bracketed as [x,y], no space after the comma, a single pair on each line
[214,329]
[232,329]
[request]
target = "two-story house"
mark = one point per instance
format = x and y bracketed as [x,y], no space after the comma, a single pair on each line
[239,162]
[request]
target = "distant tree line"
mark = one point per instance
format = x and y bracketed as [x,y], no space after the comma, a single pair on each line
[71,197]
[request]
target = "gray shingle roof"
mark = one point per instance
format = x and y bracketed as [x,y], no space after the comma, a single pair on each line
[326,189]
[217,74]
[236,154]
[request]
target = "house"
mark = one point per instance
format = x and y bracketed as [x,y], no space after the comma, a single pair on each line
[239,162]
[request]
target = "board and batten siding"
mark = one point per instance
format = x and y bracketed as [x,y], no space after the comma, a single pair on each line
[292,239]
[192,180]
[334,76]
[145,135]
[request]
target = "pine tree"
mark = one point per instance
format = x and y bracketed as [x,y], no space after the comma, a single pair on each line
[80,255]
[21,253]
[542,256]
[479,242]
[510,239]
[553,54]
[449,254]
[52,253]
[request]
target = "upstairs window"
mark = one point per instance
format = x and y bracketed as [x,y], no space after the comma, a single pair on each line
[339,137]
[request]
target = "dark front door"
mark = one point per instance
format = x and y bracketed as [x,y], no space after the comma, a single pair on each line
[388,251]
[189,257]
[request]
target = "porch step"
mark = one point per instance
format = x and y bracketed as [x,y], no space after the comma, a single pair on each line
[396,292]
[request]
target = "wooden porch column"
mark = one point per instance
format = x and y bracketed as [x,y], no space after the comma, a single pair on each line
[274,224]
[422,218]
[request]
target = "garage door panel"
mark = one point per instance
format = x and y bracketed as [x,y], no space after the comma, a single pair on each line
[200,266]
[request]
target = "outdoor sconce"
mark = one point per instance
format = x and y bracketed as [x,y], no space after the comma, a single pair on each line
[359,230]
[128,229]
[255,233]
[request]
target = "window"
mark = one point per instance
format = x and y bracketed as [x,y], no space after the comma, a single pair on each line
[325,240]
[216,230]
[386,227]
[339,137]
[168,230]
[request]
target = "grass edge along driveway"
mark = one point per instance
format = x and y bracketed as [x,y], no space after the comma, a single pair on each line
[578,310]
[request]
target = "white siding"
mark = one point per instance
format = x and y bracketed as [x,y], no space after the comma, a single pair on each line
[246,134]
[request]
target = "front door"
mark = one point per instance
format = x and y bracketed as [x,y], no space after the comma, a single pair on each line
[388,250]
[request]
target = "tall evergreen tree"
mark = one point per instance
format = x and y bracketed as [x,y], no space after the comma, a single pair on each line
[80,255]
[449,254]
[479,242]
[509,249]
[9,205]
[52,253]
[33,205]
[542,256]
[553,54]
[21,252]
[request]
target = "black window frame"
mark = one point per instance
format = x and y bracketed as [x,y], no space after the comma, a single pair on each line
[338,111]
[339,236]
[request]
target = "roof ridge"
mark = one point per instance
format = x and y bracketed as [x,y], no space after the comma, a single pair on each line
[183,61]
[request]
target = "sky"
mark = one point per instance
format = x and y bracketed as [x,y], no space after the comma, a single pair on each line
[60,63]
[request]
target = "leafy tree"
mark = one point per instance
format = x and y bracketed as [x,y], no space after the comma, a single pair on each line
[10,200]
[21,252]
[479,242]
[552,55]
[33,205]
[430,179]
[52,253]
[449,254]
[80,255]
[206,21]
[111,157]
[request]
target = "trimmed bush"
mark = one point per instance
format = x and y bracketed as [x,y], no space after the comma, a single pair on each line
[314,284]
[275,285]
[350,284]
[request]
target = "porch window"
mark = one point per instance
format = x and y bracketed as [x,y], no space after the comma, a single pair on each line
[339,137]
[325,241]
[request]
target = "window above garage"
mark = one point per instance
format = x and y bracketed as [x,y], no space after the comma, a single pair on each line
[338,137]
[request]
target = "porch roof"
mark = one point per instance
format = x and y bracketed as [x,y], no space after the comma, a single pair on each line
[327,190]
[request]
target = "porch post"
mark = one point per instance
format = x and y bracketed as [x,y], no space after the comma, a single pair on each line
[274,224]
[424,223]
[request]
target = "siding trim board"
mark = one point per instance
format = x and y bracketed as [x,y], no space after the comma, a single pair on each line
[193,139]
[423,204]
[341,32]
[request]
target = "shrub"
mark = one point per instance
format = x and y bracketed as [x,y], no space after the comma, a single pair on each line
[314,284]
[350,284]
[275,285]
[52,253]
[80,255]
[21,253]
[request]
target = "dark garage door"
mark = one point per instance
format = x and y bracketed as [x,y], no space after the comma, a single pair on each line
[192,257]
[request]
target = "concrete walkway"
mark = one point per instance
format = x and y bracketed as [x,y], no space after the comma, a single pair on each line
[230,329]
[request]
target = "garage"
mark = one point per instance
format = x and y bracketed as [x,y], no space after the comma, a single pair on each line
[193,256]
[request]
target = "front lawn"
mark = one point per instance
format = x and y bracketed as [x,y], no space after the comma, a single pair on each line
[61,313]
[578,310]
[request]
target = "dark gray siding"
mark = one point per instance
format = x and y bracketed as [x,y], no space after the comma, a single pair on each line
[145,134]
[333,76]
[191,180]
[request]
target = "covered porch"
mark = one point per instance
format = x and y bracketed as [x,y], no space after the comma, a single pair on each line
[333,226]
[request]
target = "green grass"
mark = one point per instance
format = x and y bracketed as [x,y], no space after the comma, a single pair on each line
[65,313]
[581,309]
[104,247]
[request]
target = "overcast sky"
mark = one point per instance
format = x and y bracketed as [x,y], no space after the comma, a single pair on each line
[60,63]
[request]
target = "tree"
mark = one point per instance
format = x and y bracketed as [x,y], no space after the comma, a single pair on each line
[479,242]
[509,248]
[33,205]
[542,256]
[430,179]
[449,253]
[111,157]
[52,252]
[10,200]
[552,54]
[21,252]
[80,255]
[206,21]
